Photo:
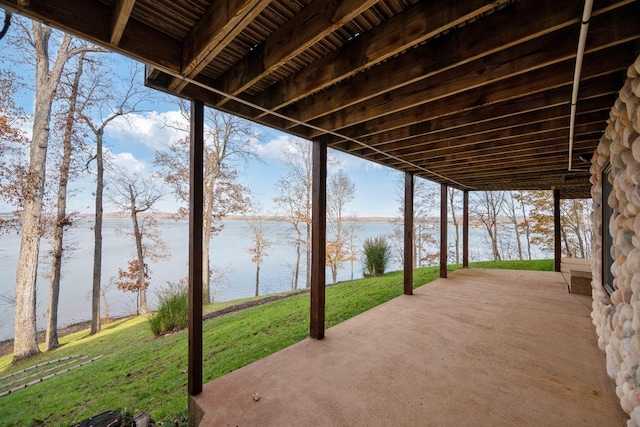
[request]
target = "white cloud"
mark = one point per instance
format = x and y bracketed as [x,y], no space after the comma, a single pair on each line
[349,162]
[152,129]
[274,150]
[127,163]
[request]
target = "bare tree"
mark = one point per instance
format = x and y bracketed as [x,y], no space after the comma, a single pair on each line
[511,211]
[352,251]
[456,221]
[487,210]
[576,227]
[340,191]
[294,202]
[525,225]
[424,201]
[136,195]
[48,72]
[110,104]
[259,248]
[62,218]
[228,140]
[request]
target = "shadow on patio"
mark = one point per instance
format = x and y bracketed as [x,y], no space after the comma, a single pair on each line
[481,348]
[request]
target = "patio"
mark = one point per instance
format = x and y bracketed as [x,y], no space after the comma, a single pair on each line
[483,348]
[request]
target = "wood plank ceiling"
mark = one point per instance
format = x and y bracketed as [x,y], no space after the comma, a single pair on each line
[474,94]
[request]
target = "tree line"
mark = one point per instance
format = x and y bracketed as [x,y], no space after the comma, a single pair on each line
[514,222]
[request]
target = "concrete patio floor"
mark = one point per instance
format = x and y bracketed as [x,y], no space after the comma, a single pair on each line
[481,348]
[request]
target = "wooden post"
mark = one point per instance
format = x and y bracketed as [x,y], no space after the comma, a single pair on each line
[195,248]
[557,229]
[318,238]
[444,246]
[465,229]
[408,233]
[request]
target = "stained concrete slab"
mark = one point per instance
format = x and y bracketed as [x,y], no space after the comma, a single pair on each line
[481,348]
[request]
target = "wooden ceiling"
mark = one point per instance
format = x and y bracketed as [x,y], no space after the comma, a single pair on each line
[475,94]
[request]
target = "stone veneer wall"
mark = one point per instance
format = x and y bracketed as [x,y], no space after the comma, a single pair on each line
[617,317]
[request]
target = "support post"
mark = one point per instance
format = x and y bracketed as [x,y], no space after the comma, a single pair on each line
[465,229]
[557,230]
[195,248]
[318,238]
[444,246]
[408,233]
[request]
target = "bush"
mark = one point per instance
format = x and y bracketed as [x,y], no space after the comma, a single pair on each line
[173,314]
[376,255]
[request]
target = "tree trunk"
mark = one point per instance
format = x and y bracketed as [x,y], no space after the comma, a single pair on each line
[139,252]
[206,243]
[334,271]
[61,218]
[455,223]
[25,333]
[578,220]
[206,270]
[308,272]
[527,230]
[257,278]
[296,273]
[97,233]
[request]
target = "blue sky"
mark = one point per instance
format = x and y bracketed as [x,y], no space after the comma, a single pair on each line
[133,143]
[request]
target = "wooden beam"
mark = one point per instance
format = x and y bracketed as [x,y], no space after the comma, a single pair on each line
[456,149]
[195,248]
[312,24]
[465,229]
[92,21]
[490,92]
[541,166]
[587,122]
[444,246]
[606,86]
[407,29]
[121,12]
[557,230]
[550,118]
[408,233]
[318,239]
[458,64]
[221,23]
[510,157]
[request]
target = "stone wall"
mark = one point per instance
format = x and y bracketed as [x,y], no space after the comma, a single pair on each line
[617,317]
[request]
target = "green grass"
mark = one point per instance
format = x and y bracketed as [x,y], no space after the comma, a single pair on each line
[140,372]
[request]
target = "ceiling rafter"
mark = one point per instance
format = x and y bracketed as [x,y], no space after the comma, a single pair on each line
[92,21]
[525,41]
[555,115]
[511,89]
[522,72]
[413,26]
[506,141]
[313,23]
[221,23]
[121,13]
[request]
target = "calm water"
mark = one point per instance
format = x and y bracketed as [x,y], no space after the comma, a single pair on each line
[229,255]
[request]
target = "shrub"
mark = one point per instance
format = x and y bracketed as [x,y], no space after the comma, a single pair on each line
[376,255]
[173,314]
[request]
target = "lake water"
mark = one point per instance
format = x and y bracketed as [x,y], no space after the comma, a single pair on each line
[229,254]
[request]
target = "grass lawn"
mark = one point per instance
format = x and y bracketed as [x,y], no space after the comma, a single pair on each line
[139,372]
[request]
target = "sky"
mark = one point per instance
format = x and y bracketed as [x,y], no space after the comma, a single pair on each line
[133,141]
